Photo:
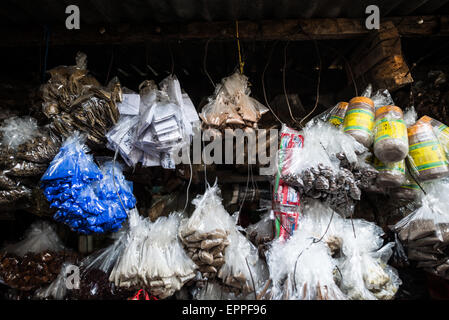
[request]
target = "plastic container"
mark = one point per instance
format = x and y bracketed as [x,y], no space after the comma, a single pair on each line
[390,175]
[337,114]
[427,157]
[359,120]
[441,131]
[390,135]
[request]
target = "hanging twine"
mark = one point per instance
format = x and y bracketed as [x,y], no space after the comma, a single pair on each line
[241,63]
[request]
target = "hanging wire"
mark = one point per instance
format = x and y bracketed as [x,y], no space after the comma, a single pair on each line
[252,279]
[263,82]
[190,181]
[318,84]
[110,66]
[205,62]
[283,82]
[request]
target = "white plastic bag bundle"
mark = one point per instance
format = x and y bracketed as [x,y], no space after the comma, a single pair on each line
[303,268]
[18,130]
[322,143]
[323,259]
[41,236]
[165,266]
[153,257]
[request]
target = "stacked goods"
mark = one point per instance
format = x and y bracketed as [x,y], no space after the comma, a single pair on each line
[211,238]
[359,120]
[73,100]
[424,232]
[390,135]
[231,106]
[150,255]
[286,200]
[26,150]
[36,260]
[426,155]
[154,125]
[88,199]
[440,130]
[323,260]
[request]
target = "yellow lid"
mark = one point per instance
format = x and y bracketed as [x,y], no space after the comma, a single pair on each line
[384,109]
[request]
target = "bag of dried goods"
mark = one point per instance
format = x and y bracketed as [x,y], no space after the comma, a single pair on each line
[212,240]
[424,232]
[427,158]
[36,260]
[232,105]
[359,120]
[390,135]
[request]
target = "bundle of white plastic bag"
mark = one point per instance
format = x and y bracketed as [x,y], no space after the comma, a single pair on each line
[154,124]
[153,257]
[331,258]
[211,237]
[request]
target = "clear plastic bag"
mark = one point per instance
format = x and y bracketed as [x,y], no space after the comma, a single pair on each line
[153,257]
[212,240]
[18,130]
[427,226]
[41,236]
[57,290]
[323,259]
[89,200]
[232,105]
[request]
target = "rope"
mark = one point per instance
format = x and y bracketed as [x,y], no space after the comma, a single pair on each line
[241,62]
[263,83]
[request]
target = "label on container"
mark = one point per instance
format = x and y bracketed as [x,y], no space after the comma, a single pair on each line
[427,155]
[336,120]
[390,129]
[359,119]
[287,195]
[395,166]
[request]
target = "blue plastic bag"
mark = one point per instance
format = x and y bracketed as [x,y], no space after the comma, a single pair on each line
[88,199]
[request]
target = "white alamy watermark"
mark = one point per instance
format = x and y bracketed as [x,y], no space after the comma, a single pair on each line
[258,146]
[73,20]
[373,20]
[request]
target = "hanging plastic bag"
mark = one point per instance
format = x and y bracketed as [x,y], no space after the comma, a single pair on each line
[41,236]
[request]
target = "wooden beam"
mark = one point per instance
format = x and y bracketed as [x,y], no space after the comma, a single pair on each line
[293,29]
[379,59]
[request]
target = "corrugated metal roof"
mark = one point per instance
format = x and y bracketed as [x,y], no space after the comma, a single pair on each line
[170,11]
